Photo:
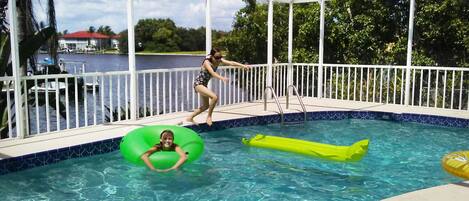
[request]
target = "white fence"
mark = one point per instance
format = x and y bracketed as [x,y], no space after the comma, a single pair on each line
[66,101]
[7,85]
[165,91]
[439,87]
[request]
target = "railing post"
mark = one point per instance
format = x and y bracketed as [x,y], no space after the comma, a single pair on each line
[19,108]
[409,53]
[132,66]
[270,22]
[321,49]
[208,27]
[208,32]
[290,49]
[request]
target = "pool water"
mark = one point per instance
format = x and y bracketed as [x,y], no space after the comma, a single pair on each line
[402,157]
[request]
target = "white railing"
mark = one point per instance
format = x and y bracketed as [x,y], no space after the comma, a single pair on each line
[7,85]
[97,98]
[367,83]
[89,99]
[441,87]
[305,78]
[163,91]
[84,99]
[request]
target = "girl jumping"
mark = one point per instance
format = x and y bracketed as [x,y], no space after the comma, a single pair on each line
[207,71]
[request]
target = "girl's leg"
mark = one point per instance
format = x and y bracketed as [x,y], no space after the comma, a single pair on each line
[204,91]
[202,108]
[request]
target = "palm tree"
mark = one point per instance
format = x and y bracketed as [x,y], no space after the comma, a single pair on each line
[91,29]
[31,38]
[3,20]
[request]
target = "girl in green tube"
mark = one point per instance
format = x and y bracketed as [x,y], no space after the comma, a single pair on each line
[166,144]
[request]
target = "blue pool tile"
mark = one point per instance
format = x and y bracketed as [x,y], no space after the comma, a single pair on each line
[318,116]
[74,152]
[30,163]
[364,115]
[294,117]
[3,169]
[14,166]
[62,156]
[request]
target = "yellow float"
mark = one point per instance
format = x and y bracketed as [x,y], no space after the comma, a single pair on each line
[457,163]
[354,152]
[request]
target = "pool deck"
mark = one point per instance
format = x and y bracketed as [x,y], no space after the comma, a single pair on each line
[72,137]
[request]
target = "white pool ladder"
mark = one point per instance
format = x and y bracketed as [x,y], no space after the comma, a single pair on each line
[299,99]
[276,101]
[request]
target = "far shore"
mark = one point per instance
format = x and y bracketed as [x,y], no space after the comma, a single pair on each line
[185,53]
[170,54]
[189,53]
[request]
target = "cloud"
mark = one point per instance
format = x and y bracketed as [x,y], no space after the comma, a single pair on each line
[75,15]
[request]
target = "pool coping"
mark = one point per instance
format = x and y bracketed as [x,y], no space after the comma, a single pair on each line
[455,192]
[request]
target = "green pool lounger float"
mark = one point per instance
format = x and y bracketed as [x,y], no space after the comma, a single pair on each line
[138,141]
[354,152]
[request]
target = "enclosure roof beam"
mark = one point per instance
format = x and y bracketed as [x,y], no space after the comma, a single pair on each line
[409,52]
[132,64]
[290,39]
[208,26]
[15,61]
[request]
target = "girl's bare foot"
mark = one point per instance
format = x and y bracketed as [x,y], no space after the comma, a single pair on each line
[209,121]
[191,120]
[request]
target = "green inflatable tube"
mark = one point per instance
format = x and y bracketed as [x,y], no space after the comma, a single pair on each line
[138,141]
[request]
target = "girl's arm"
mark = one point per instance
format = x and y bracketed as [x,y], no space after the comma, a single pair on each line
[182,158]
[145,158]
[234,63]
[212,72]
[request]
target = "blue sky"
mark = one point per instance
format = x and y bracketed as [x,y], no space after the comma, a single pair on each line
[76,15]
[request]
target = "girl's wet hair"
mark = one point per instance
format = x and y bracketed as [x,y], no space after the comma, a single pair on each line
[214,50]
[165,133]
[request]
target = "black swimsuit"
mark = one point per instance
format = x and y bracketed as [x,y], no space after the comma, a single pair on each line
[160,147]
[204,76]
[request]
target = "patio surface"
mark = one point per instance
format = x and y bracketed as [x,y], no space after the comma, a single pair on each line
[72,137]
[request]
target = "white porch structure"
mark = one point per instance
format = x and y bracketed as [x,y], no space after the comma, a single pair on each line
[404,83]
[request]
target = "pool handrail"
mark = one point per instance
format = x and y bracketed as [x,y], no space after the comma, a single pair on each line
[299,99]
[276,101]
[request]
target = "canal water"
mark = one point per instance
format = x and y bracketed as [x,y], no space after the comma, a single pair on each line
[113,62]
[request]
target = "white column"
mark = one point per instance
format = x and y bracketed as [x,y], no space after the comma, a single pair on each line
[270,25]
[15,60]
[290,48]
[409,53]
[208,26]
[208,32]
[321,49]
[132,66]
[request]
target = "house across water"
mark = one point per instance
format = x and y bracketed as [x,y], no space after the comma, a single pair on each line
[84,41]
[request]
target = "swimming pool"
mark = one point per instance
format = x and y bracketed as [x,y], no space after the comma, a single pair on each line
[402,157]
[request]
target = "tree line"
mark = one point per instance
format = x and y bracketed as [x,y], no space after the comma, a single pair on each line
[356,32]
[162,35]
